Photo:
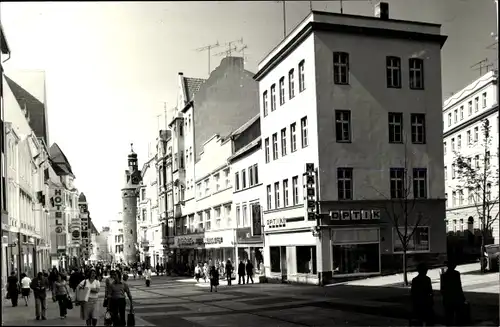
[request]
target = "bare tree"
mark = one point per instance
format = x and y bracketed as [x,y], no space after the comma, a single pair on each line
[478,178]
[402,203]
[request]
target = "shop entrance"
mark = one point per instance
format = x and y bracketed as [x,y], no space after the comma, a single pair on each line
[356,251]
[284,268]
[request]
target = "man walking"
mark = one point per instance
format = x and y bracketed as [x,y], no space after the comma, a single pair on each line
[39,287]
[241,272]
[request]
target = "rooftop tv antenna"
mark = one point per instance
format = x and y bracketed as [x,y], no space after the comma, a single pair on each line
[230,47]
[242,50]
[208,48]
[482,65]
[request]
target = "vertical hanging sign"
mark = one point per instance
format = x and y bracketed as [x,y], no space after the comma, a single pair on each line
[58,204]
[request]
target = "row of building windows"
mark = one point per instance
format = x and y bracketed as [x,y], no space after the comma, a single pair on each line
[341,69]
[471,138]
[205,221]
[458,113]
[282,91]
[282,188]
[242,181]
[474,196]
[474,165]
[219,182]
[283,140]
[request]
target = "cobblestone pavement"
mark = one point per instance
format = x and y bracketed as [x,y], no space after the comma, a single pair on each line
[181,302]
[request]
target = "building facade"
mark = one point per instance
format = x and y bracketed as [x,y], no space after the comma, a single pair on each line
[102,245]
[362,127]
[463,116]
[164,178]
[245,161]
[129,198]
[116,239]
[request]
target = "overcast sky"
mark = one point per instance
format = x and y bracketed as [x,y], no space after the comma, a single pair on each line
[111,66]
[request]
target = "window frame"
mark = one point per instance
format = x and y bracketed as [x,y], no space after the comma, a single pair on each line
[341,71]
[345,178]
[392,118]
[416,66]
[340,125]
[393,72]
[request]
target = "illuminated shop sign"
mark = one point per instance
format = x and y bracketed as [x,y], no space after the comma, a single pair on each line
[354,215]
[58,205]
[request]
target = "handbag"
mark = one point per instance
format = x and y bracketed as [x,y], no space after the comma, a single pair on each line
[105,303]
[131,318]
[68,303]
[82,293]
[108,320]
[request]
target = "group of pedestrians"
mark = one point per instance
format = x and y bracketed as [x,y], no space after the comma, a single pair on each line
[456,308]
[86,287]
[211,272]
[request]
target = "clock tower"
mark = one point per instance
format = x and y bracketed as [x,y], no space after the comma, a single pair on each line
[129,212]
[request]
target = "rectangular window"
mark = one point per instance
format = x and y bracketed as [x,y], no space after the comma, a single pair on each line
[341,68]
[344,183]
[453,144]
[304,135]
[276,195]
[453,170]
[243,178]
[285,193]
[293,137]
[273,97]
[275,258]
[306,259]
[251,181]
[476,134]
[302,81]
[418,128]
[476,104]
[237,181]
[469,108]
[238,216]
[397,183]
[455,116]
[291,84]
[445,148]
[469,137]
[343,125]
[264,103]
[445,173]
[282,91]
[393,67]
[416,74]
[244,214]
[449,119]
[461,112]
[295,190]
[419,241]
[485,100]
[268,194]
[459,142]
[256,174]
[420,183]
[266,149]
[395,127]
[283,142]
[275,146]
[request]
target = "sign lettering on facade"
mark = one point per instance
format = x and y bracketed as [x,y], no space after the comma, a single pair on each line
[354,215]
[59,216]
[256,220]
[189,241]
[213,240]
[276,222]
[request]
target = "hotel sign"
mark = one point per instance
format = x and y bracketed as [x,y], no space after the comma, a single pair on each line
[354,215]
[59,212]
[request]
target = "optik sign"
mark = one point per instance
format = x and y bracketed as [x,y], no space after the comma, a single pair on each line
[58,205]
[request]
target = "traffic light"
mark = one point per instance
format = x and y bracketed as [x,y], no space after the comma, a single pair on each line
[310,191]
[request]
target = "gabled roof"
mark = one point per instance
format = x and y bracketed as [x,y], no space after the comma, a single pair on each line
[245,126]
[59,161]
[191,86]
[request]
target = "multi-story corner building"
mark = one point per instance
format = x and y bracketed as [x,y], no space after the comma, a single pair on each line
[115,239]
[63,209]
[149,229]
[102,245]
[247,188]
[463,116]
[216,106]
[164,177]
[368,127]
[5,51]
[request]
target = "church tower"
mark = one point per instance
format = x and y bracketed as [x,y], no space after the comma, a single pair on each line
[129,212]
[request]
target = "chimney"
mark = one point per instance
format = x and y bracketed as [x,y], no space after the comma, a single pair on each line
[382,10]
[181,73]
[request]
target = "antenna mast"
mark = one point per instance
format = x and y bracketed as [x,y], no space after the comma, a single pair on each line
[230,48]
[165,114]
[341,7]
[482,65]
[208,48]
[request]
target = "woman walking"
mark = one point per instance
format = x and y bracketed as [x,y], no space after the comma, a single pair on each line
[60,294]
[116,291]
[89,310]
[214,277]
[13,288]
[25,288]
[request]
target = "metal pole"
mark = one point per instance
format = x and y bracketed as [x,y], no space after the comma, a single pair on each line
[310,5]
[284,19]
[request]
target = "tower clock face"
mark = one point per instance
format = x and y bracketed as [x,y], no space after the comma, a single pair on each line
[135,180]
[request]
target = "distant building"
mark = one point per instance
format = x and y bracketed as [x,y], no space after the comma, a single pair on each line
[463,116]
[115,239]
[103,252]
[369,124]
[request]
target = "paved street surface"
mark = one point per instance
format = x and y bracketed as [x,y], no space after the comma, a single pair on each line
[180,302]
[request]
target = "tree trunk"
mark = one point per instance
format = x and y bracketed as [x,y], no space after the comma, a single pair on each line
[483,266]
[405,268]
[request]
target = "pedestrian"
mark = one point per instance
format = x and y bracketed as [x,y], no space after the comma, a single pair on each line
[205,272]
[249,271]
[241,272]
[39,286]
[197,273]
[214,277]
[25,288]
[147,276]
[60,293]
[422,297]
[89,310]
[229,272]
[117,304]
[53,277]
[13,288]
[139,271]
[453,295]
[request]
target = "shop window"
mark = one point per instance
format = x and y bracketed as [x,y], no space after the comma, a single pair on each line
[275,258]
[356,258]
[418,242]
[306,259]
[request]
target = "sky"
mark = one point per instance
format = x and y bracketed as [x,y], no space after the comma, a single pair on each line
[111,66]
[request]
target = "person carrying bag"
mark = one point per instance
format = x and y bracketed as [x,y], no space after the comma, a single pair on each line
[131,318]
